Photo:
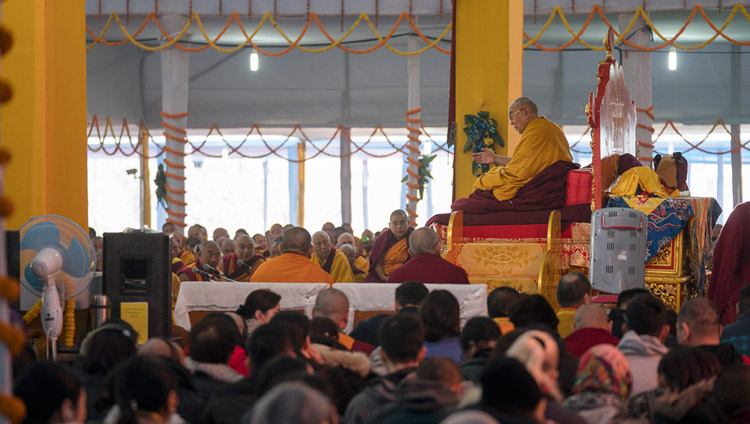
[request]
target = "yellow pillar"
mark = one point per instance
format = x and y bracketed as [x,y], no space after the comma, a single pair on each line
[489,72]
[44,125]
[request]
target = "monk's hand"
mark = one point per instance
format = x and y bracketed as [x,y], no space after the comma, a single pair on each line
[485,157]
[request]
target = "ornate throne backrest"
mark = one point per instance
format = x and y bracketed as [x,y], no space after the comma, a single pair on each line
[611,115]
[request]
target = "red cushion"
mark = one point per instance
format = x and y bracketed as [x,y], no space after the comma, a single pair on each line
[579,187]
[527,231]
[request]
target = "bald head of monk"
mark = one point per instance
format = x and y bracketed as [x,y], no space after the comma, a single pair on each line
[321,244]
[163,348]
[219,233]
[297,240]
[209,253]
[332,303]
[424,240]
[244,248]
[345,238]
[522,111]
[398,224]
[276,231]
[227,246]
[592,316]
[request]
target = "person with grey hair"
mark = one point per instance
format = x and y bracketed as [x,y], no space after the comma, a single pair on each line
[293,265]
[350,252]
[330,259]
[293,402]
[426,266]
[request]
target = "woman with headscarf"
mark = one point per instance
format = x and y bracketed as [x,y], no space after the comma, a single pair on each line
[601,386]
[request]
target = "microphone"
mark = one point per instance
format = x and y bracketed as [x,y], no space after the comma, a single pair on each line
[202,272]
[211,269]
[243,264]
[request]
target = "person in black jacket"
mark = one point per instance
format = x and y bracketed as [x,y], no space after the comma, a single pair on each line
[699,325]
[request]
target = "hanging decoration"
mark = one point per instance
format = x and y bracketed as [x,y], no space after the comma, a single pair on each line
[481,133]
[424,173]
[161,186]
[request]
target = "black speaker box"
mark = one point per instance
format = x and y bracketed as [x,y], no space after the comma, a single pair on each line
[136,269]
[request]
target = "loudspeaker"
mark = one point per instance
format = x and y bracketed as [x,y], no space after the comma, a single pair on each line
[618,249]
[136,269]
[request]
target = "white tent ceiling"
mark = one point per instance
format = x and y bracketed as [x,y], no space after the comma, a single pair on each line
[307,88]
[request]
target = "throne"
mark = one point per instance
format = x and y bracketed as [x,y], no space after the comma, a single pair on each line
[528,250]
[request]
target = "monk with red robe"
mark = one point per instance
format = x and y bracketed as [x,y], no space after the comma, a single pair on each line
[294,264]
[261,245]
[731,263]
[208,254]
[542,144]
[391,248]
[243,262]
[330,259]
[426,266]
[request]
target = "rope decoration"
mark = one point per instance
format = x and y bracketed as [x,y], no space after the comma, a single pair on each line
[124,139]
[234,17]
[174,197]
[412,125]
[312,17]
[647,144]
[621,37]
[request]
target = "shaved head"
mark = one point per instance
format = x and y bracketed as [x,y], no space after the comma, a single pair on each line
[332,303]
[244,248]
[423,240]
[322,244]
[525,102]
[209,253]
[296,240]
[591,316]
[227,247]
[163,348]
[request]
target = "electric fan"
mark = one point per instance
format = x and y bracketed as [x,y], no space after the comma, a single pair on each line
[57,263]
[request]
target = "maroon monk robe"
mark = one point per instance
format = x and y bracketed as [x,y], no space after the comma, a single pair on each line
[429,269]
[193,276]
[233,270]
[385,241]
[546,191]
[731,263]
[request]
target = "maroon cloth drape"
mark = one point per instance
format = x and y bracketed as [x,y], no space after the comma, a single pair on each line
[731,263]
[385,241]
[546,191]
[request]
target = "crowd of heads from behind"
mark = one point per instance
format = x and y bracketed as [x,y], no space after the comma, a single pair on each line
[425,362]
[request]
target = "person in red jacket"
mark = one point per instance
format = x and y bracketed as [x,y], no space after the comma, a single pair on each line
[426,266]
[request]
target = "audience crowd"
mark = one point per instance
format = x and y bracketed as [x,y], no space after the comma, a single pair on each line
[636,362]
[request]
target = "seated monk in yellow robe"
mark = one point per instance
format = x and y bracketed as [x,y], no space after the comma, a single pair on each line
[359,261]
[294,264]
[209,254]
[331,260]
[351,255]
[542,144]
[391,249]
[241,264]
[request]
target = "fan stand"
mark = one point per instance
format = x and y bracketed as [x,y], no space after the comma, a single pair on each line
[51,316]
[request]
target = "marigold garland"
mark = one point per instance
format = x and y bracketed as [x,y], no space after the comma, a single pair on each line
[431,44]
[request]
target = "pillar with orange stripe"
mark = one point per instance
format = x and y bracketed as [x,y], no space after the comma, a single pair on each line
[174,81]
[413,123]
[489,73]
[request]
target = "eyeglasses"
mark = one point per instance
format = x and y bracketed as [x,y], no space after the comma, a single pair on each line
[511,115]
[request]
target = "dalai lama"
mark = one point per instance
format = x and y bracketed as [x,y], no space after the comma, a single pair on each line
[391,248]
[330,259]
[241,264]
[542,145]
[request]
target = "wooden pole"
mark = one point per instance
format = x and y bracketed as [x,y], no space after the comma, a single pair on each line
[145,180]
